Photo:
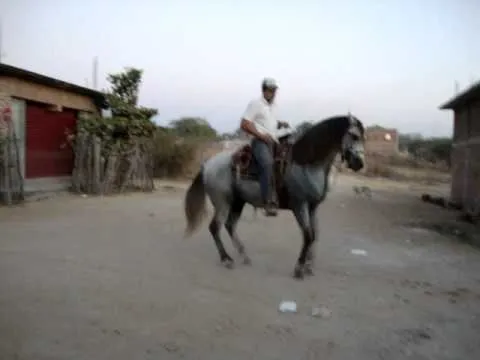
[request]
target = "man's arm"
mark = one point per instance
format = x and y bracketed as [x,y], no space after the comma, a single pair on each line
[282,124]
[247,124]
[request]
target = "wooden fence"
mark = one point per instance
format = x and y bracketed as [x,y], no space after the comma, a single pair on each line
[11,178]
[101,171]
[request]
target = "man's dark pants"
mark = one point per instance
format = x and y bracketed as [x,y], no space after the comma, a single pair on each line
[262,153]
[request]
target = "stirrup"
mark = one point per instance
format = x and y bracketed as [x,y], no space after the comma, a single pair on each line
[270,210]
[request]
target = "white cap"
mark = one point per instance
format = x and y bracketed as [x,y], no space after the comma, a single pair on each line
[269,83]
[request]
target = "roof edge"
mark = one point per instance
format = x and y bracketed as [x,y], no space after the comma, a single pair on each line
[468,94]
[15,72]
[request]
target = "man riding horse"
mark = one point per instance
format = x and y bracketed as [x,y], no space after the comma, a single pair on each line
[260,122]
[301,166]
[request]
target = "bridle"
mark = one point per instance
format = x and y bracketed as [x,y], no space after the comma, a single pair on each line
[352,133]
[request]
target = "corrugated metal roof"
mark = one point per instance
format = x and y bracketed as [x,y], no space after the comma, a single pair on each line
[473,92]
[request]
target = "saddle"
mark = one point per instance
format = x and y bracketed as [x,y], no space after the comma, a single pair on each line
[244,166]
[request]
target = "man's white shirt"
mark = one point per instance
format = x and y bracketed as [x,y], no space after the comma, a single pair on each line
[263,115]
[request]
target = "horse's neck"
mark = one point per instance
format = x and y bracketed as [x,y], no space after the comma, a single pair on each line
[330,159]
[326,164]
[307,151]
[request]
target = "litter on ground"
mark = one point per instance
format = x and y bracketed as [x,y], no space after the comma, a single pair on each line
[358,252]
[288,307]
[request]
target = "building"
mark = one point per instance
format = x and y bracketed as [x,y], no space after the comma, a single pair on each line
[465,156]
[380,140]
[43,110]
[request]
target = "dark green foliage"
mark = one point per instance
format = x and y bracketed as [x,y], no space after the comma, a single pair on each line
[193,127]
[129,122]
[172,155]
[123,95]
[433,149]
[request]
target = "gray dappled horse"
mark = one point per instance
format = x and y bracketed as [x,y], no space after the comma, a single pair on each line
[304,186]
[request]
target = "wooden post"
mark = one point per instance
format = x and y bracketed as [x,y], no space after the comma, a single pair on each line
[2,170]
[6,172]
[21,187]
[78,163]
[128,176]
[111,170]
[97,147]
[90,174]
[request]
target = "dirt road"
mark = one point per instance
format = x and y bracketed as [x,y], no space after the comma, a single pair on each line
[112,278]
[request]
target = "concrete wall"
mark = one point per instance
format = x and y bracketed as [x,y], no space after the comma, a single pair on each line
[35,92]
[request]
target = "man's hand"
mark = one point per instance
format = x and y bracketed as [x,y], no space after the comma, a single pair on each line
[267,139]
[250,128]
[282,124]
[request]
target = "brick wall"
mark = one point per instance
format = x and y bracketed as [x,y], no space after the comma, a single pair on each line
[44,94]
[458,173]
[465,187]
[377,143]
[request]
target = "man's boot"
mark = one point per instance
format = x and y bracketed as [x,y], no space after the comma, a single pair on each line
[270,209]
[271,206]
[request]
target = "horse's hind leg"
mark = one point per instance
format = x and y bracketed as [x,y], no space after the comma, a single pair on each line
[221,213]
[231,225]
[310,261]
[302,215]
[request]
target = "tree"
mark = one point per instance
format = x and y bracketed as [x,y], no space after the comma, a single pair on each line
[429,149]
[123,95]
[128,120]
[193,127]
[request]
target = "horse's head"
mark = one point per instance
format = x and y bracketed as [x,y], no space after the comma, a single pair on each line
[352,148]
[319,143]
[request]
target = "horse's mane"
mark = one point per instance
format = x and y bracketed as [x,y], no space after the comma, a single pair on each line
[318,142]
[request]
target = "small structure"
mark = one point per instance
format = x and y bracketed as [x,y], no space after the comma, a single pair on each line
[465,188]
[380,140]
[43,110]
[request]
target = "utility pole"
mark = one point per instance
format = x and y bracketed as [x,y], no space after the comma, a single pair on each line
[456,87]
[95,72]
[1,42]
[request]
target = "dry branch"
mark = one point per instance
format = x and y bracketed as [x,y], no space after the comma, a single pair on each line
[102,169]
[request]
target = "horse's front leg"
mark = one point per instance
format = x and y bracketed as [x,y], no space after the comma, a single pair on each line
[231,226]
[310,261]
[303,219]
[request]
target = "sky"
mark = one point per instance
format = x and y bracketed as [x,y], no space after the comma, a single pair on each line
[389,62]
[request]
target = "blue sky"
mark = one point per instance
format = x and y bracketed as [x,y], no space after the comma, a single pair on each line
[391,62]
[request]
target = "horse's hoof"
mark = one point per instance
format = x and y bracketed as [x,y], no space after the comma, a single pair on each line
[298,273]
[309,271]
[247,261]
[228,263]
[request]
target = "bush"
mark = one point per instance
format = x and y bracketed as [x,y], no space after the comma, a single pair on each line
[430,150]
[404,167]
[115,132]
[172,155]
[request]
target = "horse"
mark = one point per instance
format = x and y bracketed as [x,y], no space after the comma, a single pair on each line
[303,185]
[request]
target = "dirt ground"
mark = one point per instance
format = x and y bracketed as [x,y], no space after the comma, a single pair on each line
[113,278]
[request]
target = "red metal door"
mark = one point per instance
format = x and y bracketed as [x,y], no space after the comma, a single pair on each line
[47,154]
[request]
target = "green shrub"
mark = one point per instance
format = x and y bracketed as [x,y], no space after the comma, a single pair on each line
[172,155]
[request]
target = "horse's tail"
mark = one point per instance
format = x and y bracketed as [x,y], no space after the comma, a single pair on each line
[195,206]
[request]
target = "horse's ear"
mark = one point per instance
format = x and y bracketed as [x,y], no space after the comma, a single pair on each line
[351,119]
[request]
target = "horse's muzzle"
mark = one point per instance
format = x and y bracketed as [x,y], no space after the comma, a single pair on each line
[354,161]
